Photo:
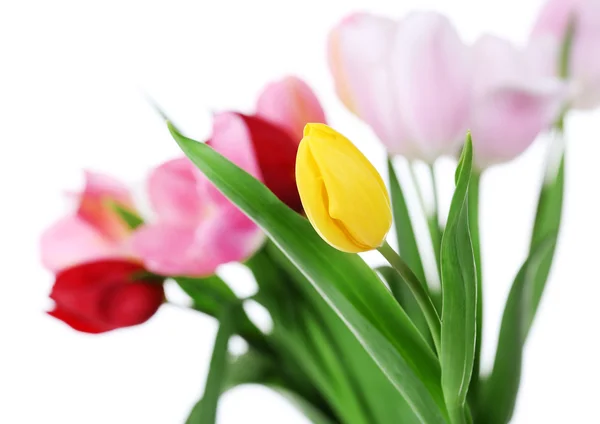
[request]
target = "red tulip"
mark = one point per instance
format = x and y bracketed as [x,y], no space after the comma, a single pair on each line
[272,147]
[96,297]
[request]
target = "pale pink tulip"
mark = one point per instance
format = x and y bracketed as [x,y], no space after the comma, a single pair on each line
[94,231]
[410,80]
[291,104]
[584,64]
[513,101]
[197,228]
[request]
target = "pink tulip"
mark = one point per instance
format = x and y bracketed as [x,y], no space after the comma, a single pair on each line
[409,80]
[513,101]
[290,104]
[95,231]
[584,64]
[197,228]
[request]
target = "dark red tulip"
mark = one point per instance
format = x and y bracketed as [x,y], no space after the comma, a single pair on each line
[100,296]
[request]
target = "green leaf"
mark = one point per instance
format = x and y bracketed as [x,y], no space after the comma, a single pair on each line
[211,295]
[499,392]
[205,412]
[409,250]
[547,223]
[378,396]
[473,205]
[349,286]
[308,409]
[459,294]
[132,219]
[407,242]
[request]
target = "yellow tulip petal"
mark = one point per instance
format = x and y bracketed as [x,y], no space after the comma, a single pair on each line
[315,201]
[343,194]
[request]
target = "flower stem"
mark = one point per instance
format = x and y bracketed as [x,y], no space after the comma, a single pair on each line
[418,290]
[433,221]
[431,214]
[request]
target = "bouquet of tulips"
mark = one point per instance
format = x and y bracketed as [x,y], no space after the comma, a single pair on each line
[295,201]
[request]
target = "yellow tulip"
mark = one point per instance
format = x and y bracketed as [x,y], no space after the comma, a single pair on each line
[343,195]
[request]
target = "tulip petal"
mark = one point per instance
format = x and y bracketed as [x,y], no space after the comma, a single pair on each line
[172,189]
[134,303]
[290,104]
[71,241]
[507,121]
[275,151]
[514,100]
[80,323]
[433,83]
[104,295]
[95,205]
[584,66]
[554,17]
[232,138]
[359,51]
[316,203]
[226,236]
[342,191]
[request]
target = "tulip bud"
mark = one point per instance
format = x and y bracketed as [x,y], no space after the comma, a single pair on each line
[343,195]
[105,295]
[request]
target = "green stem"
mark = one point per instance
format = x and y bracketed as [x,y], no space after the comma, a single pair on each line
[433,220]
[418,290]
[473,210]
[431,215]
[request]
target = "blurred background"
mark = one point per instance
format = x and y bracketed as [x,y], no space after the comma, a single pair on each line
[74,76]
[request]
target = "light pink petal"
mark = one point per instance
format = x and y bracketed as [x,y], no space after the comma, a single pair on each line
[433,82]
[171,250]
[359,54]
[71,241]
[554,17]
[101,185]
[96,205]
[231,138]
[164,248]
[584,67]
[173,192]
[506,121]
[291,104]
[514,100]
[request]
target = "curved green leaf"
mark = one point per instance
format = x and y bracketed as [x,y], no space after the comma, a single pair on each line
[409,250]
[499,392]
[459,294]
[377,395]
[348,285]
[547,223]
[211,295]
[205,412]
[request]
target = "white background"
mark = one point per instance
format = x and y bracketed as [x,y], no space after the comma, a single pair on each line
[72,80]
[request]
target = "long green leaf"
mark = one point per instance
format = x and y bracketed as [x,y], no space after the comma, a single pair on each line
[547,223]
[409,250]
[349,286]
[499,392]
[459,295]
[473,205]
[378,395]
[206,411]
[211,295]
